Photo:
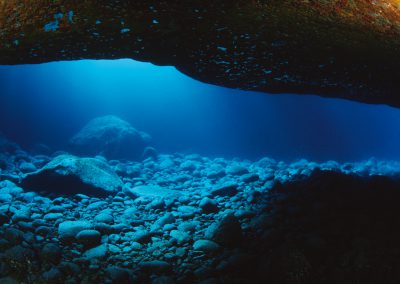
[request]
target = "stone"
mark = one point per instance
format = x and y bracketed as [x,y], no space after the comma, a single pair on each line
[70,175]
[250,177]
[206,246]
[69,229]
[237,170]
[89,238]
[228,189]
[104,218]
[111,137]
[155,266]
[52,216]
[5,197]
[26,167]
[180,237]
[151,191]
[53,276]
[208,205]
[118,274]
[51,253]
[98,252]
[226,232]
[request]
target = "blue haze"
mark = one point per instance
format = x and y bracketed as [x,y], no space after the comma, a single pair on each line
[48,103]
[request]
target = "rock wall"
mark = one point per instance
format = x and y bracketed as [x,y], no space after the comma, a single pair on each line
[337,48]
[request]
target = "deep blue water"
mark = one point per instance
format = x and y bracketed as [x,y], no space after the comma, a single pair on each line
[48,103]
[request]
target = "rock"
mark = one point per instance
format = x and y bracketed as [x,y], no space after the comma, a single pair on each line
[226,232]
[52,216]
[8,280]
[208,205]
[205,246]
[141,236]
[118,275]
[163,280]
[304,53]
[89,238]
[69,174]
[180,237]
[96,252]
[53,276]
[228,189]
[189,226]
[23,214]
[69,229]
[110,137]
[236,170]
[4,218]
[104,218]
[249,178]
[26,167]
[155,266]
[51,253]
[151,191]
[5,197]
[150,152]
[19,255]
[13,236]
[187,211]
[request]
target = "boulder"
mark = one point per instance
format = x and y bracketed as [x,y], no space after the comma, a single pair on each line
[111,137]
[70,175]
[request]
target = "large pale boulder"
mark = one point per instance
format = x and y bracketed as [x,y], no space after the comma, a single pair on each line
[69,174]
[110,137]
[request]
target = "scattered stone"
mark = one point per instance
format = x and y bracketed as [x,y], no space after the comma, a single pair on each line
[89,238]
[69,229]
[208,205]
[229,189]
[155,266]
[206,246]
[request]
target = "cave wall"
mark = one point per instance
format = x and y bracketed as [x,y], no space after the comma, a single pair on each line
[338,48]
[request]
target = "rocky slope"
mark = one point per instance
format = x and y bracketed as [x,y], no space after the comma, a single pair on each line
[338,48]
[192,219]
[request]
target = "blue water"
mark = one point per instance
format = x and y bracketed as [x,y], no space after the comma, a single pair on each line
[48,103]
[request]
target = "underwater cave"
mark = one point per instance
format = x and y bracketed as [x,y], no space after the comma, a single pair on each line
[199,142]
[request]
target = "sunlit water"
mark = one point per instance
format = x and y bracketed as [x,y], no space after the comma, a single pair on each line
[48,103]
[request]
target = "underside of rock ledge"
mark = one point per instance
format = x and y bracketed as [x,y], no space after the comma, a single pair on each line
[347,49]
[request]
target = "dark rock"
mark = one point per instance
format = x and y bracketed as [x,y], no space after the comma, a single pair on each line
[250,178]
[53,276]
[13,236]
[89,238]
[70,175]
[229,189]
[110,137]
[118,275]
[155,266]
[208,205]
[226,232]
[51,253]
